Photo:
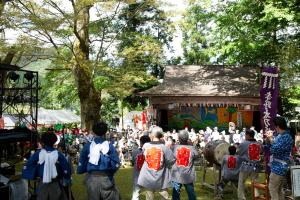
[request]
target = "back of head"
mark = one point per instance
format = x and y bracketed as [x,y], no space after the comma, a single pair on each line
[183,136]
[48,139]
[232,150]
[100,128]
[250,133]
[280,122]
[144,139]
[157,132]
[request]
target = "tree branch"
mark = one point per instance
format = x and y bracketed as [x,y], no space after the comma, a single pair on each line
[122,28]
[81,40]
[54,5]
[33,60]
[100,52]
[45,33]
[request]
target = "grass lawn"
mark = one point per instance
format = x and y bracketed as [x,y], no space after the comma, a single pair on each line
[124,183]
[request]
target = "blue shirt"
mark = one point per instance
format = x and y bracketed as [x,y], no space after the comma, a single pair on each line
[32,169]
[281,151]
[108,163]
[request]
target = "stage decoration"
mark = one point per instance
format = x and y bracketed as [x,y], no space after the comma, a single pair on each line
[269,89]
[268,93]
[232,109]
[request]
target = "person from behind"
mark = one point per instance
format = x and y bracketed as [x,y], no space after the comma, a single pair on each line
[230,169]
[281,148]
[249,154]
[50,166]
[183,171]
[155,175]
[100,160]
[138,161]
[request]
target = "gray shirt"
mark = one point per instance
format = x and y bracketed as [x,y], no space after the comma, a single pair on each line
[155,173]
[231,167]
[249,153]
[183,171]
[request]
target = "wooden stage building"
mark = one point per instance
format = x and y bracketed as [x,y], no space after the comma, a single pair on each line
[208,95]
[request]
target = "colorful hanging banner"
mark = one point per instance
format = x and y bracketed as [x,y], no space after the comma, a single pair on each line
[269,89]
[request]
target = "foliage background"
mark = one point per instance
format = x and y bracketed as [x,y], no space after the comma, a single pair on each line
[127,43]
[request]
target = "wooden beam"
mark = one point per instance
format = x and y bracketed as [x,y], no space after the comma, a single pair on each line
[206,100]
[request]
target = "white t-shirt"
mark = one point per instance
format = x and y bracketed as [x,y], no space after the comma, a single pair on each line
[236,138]
[215,136]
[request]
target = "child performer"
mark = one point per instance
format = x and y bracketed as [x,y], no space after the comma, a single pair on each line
[183,172]
[230,169]
[138,161]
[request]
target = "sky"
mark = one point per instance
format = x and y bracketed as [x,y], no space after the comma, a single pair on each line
[178,7]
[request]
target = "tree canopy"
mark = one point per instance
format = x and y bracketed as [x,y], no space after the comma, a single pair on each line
[93,52]
[246,32]
[98,50]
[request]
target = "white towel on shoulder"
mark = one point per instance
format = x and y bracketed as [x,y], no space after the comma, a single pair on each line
[95,150]
[49,159]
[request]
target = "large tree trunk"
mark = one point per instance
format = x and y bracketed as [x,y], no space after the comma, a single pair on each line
[90,99]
